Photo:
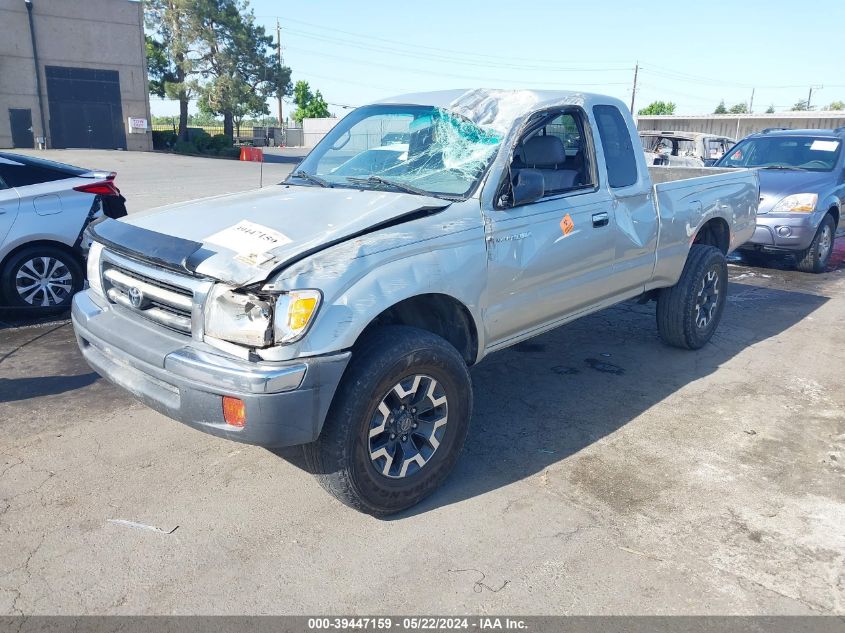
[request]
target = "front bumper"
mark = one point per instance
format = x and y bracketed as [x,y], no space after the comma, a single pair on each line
[286,403]
[792,232]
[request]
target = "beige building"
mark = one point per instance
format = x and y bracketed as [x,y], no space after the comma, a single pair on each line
[738,126]
[92,69]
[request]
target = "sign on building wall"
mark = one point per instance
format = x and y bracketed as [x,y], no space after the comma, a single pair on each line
[137,125]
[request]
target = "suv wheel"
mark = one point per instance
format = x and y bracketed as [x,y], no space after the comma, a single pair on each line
[41,277]
[815,258]
[397,423]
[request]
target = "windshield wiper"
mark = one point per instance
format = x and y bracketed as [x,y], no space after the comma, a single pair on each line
[789,167]
[378,180]
[310,178]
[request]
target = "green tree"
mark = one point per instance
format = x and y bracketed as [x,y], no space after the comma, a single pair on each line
[837,105]
[771,109]
[721,109]
[236,61]
[159,67]
[801,106]
[171,23]
[658,107]
[739,108]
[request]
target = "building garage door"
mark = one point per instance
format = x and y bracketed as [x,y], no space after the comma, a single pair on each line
[85,108]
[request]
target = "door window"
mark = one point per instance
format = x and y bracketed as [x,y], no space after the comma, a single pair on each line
[559,150]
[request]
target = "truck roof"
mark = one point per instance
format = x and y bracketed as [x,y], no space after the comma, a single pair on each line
[499,108]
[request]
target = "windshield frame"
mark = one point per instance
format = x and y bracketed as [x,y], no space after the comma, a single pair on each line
[330,140]
[798,137]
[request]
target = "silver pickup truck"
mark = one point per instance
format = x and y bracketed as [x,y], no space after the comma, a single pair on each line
[342,308]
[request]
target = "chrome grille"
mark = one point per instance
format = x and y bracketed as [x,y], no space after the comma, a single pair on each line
[169,299]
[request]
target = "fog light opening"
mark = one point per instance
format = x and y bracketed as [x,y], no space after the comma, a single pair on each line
[234,411]
[784,231]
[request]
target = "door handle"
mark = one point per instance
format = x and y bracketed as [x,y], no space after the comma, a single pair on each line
[601,219]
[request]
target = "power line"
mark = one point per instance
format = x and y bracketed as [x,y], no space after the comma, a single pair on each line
[437,73]
[438,49]
[446,58]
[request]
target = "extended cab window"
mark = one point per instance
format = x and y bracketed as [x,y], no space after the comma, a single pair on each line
[616,143]
[558,150]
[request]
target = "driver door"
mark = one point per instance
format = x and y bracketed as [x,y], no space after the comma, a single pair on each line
[550,259]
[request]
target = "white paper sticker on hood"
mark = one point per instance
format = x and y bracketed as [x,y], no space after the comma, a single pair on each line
[248,237]
[824,146]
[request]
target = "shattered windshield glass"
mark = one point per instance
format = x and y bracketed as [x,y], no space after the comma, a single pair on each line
[416,149]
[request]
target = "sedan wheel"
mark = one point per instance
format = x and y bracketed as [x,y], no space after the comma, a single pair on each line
[41,277]
[43,281]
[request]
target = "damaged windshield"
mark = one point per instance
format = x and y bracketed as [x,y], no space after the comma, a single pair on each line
[413,149]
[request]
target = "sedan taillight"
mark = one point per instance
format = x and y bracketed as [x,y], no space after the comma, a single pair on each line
[101,188]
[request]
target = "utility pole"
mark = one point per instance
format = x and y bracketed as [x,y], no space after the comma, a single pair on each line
[279,54]
[751,103]
[810,96]
[634,90]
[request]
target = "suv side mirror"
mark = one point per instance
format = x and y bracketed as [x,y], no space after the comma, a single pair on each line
[529,187]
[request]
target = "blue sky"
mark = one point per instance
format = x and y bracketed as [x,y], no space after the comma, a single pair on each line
[692,53]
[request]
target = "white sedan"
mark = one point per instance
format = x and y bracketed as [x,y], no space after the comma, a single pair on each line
[44,209]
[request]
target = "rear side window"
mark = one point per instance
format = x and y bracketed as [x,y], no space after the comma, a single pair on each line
[23,175]
[616,143]
[21,171]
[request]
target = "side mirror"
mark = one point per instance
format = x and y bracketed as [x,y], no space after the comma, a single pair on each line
[529,187]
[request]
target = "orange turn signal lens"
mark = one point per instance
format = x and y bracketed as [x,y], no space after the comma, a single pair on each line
[234,411]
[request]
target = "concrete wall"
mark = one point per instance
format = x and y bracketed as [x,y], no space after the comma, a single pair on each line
[313,130]
[106,34]
[740,125]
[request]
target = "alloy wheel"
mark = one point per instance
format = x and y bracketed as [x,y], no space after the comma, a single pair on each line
[707,300]
[43,281]
[408,426]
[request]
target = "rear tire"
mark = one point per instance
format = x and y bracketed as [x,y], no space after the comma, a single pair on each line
[397,423]
[41,277]
[815,258]
[689,312]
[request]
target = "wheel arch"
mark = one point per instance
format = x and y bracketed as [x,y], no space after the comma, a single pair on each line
[44,242]
[834,211]
[440,314]
[715,232]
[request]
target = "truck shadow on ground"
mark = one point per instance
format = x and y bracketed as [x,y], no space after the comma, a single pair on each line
[544,400]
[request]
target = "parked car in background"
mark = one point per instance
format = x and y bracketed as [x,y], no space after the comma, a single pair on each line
[373,160]
[342,312]
[802,193]
[684,149]
[44,208]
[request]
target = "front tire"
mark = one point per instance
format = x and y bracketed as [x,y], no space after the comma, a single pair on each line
[41,277]
[689,312]
[397,423]
[815,258]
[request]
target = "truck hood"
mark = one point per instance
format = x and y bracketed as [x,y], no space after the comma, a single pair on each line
[776,184]
[295,221]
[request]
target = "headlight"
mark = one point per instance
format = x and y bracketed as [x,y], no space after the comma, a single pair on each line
[239,318]
[798,203]
[295,310]
[93,270]
[248,319]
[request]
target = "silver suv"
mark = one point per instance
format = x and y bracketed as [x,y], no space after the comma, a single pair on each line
[802,191]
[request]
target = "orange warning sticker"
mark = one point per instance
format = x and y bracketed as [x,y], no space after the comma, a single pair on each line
[567,225]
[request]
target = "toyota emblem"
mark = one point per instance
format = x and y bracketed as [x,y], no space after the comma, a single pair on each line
[136,297]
